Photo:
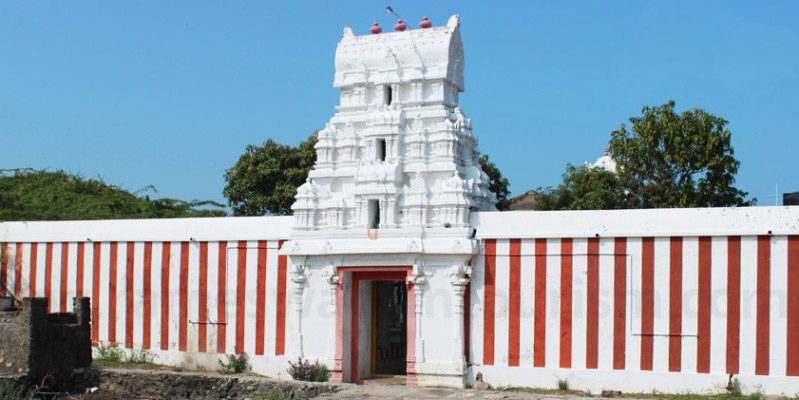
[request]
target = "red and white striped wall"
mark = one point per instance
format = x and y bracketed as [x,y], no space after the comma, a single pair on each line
[639,312]
[184,300]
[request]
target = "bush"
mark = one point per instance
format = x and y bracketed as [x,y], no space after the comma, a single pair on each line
[139,357]
[236,363]
[305,371]
[107,352]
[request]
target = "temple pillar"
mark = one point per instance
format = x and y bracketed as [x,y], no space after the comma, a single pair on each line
[459,278]
[298,278]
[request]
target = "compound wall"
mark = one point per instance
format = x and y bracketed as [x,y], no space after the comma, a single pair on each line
[637,300]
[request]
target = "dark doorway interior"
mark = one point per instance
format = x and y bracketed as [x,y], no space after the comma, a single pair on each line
[389,327]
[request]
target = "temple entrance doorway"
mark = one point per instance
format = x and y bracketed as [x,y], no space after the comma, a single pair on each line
[389,319]
[379,344]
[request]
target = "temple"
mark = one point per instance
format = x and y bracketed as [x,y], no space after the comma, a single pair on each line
[397,177]
[396,266]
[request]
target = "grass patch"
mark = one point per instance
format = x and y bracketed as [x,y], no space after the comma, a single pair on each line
[109,355]
[557,391]
[732,395]
[276,393]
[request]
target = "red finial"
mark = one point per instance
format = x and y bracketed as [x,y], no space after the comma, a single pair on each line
[425,23]
[606,151]
[375,29]
[400,26]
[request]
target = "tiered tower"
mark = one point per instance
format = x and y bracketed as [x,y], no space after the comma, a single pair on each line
[399,152]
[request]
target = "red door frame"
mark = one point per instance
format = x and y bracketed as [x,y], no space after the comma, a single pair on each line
[378,273]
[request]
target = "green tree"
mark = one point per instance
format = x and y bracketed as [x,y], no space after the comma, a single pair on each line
[31,195]
[668,159]
[265,178]
[584,188]
[497,183]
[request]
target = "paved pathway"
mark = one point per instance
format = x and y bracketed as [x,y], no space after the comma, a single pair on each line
[390,392]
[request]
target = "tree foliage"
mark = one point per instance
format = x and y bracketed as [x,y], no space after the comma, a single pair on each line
[668,159]
[497,184]
[585,188]
[265,178]
[30,195]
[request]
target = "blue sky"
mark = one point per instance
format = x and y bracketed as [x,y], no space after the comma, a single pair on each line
[170,93]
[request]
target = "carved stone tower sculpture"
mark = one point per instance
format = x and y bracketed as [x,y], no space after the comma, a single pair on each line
[399,152]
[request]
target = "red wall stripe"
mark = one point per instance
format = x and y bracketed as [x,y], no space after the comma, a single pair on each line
[280,311]
[221,297]
[202,325]
[79,270]
[112,295]
[241,290]
[566,303]
[18,257]
[675,304]
[260,298]
[184,297]
[34,259]
[792,347]
[733,302]
[514,302]
[592,312]
[147,306]
[96,293]
[619,301]
[165,261]
[3,268]
[763,304]
[64,276]
[488,291]
[540,322]
[704,305]
[130,255]
[48,275]
[647,301]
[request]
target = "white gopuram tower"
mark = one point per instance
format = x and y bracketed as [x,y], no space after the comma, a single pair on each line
[396,178]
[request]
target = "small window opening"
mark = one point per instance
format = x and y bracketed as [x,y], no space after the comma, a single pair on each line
[374,214]
[380,149]
[387,94]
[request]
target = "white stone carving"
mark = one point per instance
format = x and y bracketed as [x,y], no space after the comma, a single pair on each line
[398,137]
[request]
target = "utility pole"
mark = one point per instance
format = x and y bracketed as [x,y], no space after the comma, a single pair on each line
[776,194]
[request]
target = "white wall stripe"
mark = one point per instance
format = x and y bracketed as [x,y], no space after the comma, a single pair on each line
[213,288]
[156,299]
[527,309]
[690,302]
[748,304]
[138,294]
[552,317]
[502,282]
[660,343]
[778,322]
[193,292]
[634,269]
[718,319]
[579,302]
[606,287]
[270,317]
[72,273]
